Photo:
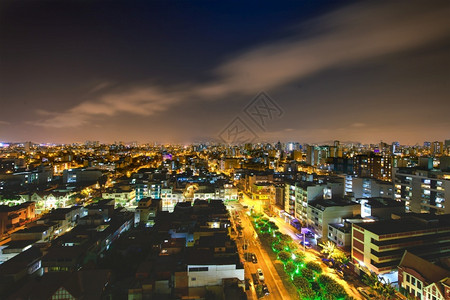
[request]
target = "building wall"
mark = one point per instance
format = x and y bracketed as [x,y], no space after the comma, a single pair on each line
[423,191]
[412,284]
[366,250]
[432,292]
[212,274]
[303,196]
[340,238]
[319,220]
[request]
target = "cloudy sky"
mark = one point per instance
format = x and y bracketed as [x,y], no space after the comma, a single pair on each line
[184,71]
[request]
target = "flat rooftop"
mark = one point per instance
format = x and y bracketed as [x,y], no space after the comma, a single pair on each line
[400,225]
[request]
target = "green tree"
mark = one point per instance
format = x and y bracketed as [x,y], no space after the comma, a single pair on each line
[341,258]
[286,238]
[307,273]
[272,225]
[299,261]
[301,283]
[290,267]
[260,224]
[314,266]
[278,247]
[372,281]
[284,256]
[259,290]
[299,256]
[307,293]
[386,290]
[333,290]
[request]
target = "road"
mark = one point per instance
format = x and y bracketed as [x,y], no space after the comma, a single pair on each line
[310,254]
[271,277]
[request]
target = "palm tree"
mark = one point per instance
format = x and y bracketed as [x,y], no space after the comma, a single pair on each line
[371,280]
[328,248]
[386,290]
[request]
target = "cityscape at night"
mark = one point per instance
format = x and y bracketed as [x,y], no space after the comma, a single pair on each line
[224,150]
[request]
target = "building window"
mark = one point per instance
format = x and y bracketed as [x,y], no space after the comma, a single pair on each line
[413,281]
[407,278]
[419,285]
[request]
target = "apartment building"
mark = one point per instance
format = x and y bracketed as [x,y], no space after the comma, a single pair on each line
[380,245]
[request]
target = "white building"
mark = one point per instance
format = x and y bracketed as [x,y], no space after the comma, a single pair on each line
[321,213]
[210,275]
[170,198]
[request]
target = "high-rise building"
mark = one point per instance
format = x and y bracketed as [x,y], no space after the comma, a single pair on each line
[395,148]
[27,146]
[373,166]
[437,148]
[369,187]
[316,155]
[423,190]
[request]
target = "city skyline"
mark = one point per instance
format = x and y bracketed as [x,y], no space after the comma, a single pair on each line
[171,72]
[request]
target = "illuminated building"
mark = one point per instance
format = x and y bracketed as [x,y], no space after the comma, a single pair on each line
[423,190]
[421,279]
[373,166]
[369,187]
[437,148]
[12,217]
[328,211]
[379,245]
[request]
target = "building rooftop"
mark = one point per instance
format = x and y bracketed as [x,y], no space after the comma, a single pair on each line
[409,222]
[324,203]
[20,262]
[207,257]
[431,272]
[380,202]
[85,284]
[34,229]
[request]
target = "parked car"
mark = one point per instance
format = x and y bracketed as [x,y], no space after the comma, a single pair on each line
[254,259]
[305,243]
[260,275]
[309,234]
[265,289]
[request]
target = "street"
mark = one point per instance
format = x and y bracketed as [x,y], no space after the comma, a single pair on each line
[271,277]
[310,254]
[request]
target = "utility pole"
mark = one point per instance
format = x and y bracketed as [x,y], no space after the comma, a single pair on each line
[304,242]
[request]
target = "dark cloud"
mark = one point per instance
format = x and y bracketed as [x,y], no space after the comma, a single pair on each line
[367,71]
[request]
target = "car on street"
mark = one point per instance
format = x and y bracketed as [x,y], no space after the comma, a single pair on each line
[260,275]
[265,289]
[309,234]
[254,259]
[307,244]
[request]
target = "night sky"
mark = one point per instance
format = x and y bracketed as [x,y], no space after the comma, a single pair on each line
[182,71]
